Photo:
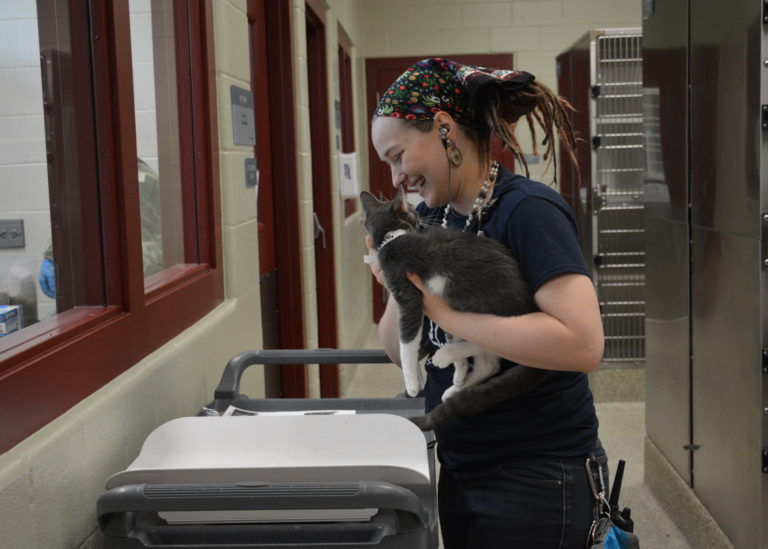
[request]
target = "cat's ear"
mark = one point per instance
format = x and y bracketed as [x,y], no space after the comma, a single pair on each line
[400,202]
[368,201]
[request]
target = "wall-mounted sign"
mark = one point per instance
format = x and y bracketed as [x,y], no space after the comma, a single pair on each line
[348,185]
[337,113]
[251,173]
[243,121]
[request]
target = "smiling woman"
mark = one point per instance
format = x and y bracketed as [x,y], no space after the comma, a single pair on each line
[115,85]
[512,475]
[415,158]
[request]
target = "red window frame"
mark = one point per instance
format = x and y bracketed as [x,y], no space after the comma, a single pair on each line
[51,366]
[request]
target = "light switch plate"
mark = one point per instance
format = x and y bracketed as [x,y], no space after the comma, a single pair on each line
[11,233]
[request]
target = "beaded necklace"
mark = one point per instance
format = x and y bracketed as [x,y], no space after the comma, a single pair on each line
[477,207]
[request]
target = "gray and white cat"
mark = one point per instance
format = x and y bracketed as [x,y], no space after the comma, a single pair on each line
[472,274]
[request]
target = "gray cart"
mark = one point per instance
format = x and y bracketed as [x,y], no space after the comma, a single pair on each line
[345,473]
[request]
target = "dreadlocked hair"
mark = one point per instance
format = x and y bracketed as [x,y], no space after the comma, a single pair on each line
[539,105]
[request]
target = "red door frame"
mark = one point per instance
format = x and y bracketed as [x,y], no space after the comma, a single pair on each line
[260,86]
[317,75]
[379,74]
[286,195]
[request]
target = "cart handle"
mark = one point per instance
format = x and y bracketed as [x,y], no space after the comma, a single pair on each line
[257,496]
[229,386]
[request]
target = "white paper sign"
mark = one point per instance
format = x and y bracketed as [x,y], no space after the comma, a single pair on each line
[348,184]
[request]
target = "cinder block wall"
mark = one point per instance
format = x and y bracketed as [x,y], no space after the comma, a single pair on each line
[535,31]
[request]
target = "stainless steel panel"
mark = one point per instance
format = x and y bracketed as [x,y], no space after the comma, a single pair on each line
[665,90]
[725,115]
[667,395]
[725,110]
[727,382]
[724,67]
[763,299]
[665,125]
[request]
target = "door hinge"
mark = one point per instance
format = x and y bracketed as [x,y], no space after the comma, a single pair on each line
[764,240]
[319,230]
[596,90]
[691,447]
[765,460]
[765,12]
[765,361]
[596,142]
[764,117]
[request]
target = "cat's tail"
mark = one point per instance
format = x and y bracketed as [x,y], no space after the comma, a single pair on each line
[478,398]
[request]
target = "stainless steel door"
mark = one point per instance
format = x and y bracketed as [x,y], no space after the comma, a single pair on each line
[665,107]
[727,417]
[726,68]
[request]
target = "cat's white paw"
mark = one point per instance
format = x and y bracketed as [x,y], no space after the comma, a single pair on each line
[444,357]
[409,353]
[413,389]
[450,391]
[460,373]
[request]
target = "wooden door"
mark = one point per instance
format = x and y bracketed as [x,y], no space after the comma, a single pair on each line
[265,208]
[317,76]
[282,311]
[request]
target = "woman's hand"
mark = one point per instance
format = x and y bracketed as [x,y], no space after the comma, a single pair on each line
[375,267]
[388,329]
[565,334]
[435,307]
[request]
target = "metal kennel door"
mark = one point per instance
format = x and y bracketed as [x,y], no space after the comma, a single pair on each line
[618,161]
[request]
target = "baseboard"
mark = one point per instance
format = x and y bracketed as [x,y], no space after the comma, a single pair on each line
[680,502]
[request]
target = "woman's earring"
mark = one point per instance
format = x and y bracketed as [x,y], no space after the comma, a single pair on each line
[455,154]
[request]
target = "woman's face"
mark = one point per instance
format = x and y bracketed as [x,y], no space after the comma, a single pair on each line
[416,159]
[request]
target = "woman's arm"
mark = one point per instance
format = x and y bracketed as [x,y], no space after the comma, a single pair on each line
[388,330]
[567,333]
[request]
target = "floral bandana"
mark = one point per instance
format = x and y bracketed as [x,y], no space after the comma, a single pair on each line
[433,85]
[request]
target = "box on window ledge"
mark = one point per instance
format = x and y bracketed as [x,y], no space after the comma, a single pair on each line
[10,320]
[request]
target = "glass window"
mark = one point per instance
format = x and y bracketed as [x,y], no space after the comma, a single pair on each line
[42,177]
[157,133]
[103,239]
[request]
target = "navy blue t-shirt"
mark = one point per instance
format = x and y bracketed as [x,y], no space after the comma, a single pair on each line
[558,417]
